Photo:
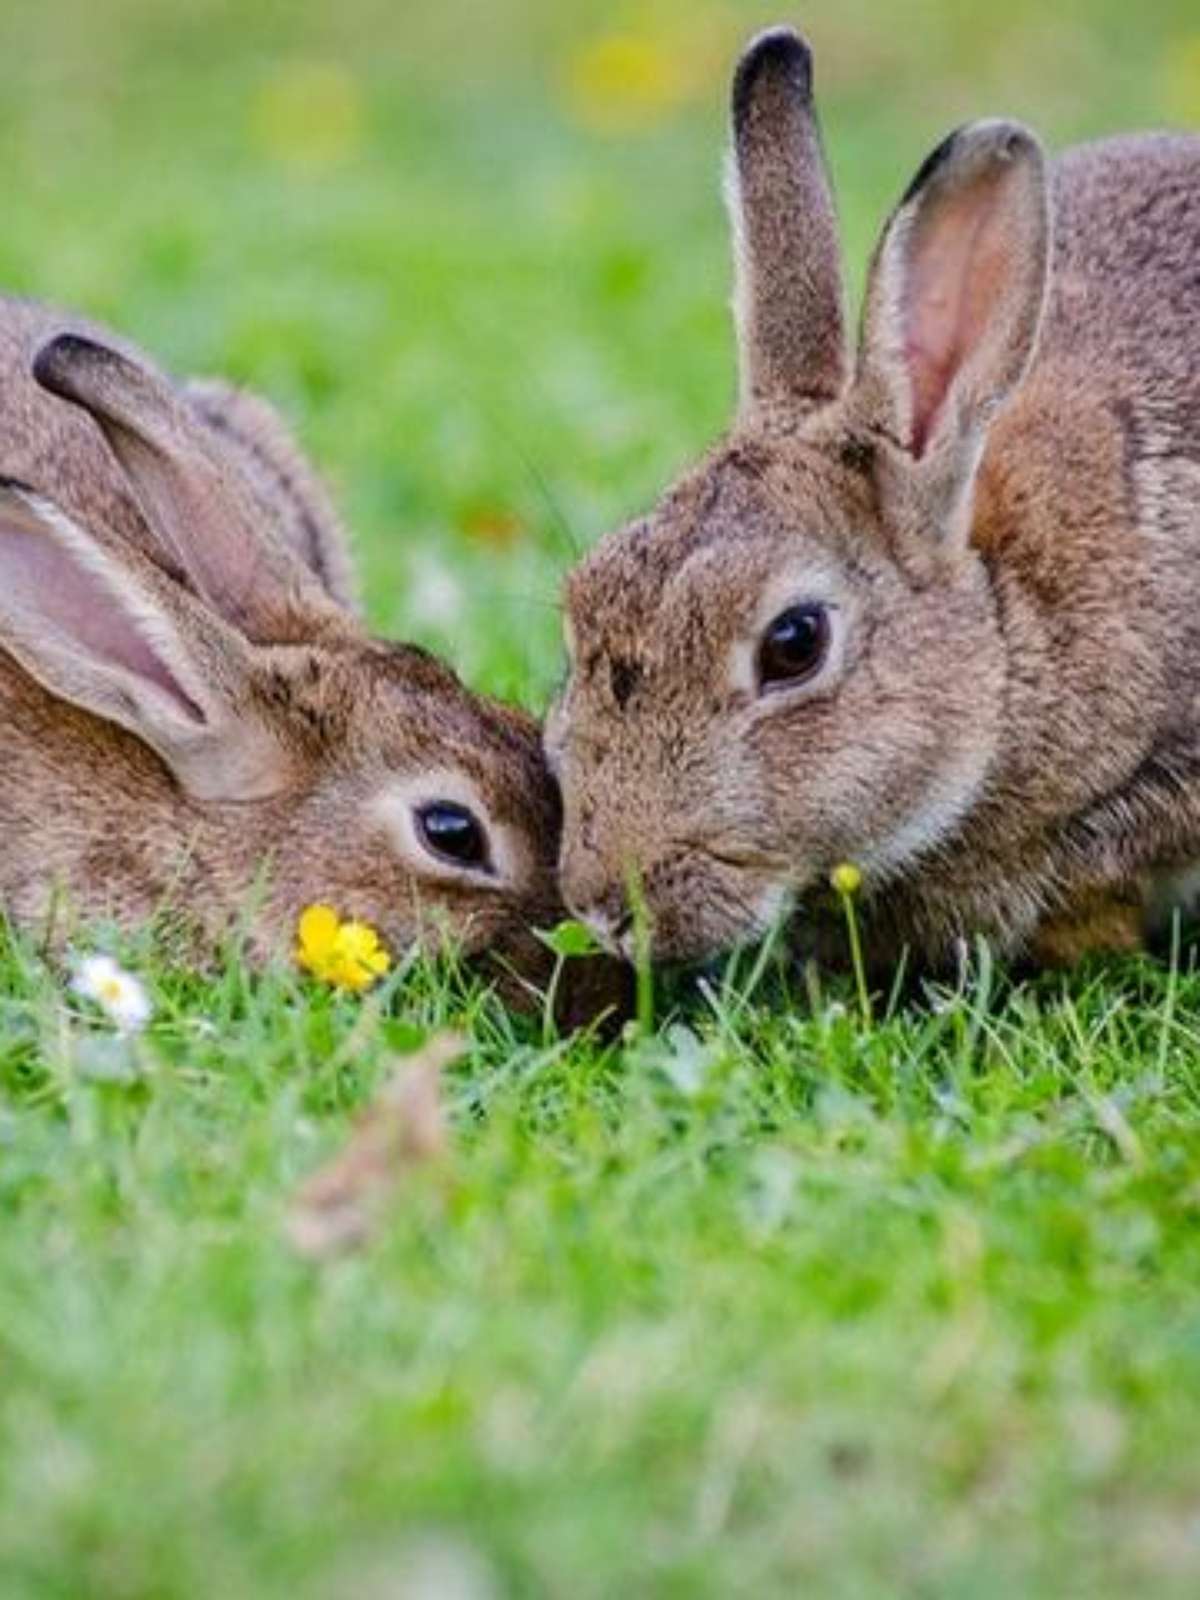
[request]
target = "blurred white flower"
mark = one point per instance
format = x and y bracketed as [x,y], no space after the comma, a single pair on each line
[120,995]
[436,596]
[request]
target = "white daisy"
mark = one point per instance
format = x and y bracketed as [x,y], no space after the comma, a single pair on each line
[120,995]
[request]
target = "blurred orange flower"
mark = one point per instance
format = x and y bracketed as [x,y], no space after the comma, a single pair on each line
[496,526]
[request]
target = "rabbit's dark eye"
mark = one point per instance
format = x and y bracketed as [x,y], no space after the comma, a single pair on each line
[794,647]
[450,832]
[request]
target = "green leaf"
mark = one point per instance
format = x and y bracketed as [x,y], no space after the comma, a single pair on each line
[570,939]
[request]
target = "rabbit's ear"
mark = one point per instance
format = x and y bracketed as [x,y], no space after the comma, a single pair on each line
[195,502]
[290,491]
[789,298]
[129,646]
[956,294]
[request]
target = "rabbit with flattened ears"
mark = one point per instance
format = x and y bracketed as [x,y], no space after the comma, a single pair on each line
[192,716]
[934,609]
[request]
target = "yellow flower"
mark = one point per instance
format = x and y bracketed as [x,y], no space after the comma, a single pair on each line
[1181,80]
[846,878]
[624,82]
[309,114]
[347,955]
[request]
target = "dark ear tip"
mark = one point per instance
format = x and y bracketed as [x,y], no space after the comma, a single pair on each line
[54,360]
[934,162]
[1005,140]
[974,146]
[774,50]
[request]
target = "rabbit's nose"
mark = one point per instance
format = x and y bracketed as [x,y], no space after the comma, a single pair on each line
[611,920]
[594,888]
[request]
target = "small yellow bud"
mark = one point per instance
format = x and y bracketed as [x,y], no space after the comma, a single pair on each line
[846,878]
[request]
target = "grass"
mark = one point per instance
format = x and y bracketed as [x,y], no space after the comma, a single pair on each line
[772,1299]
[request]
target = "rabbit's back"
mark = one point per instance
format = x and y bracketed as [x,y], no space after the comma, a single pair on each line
[1091,479]
[1125,289]
[1127,215]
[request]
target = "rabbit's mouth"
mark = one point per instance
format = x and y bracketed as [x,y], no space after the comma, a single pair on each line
[691,907]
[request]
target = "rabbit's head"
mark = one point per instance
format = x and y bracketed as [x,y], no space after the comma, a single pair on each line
[215,712]
[795,659]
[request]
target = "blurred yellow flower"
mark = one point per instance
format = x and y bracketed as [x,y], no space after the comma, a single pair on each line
[624,82]
[347,955]
[309,114]
[1181,81]
[846,878]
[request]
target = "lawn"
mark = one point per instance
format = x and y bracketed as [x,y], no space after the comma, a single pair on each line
[772,1298]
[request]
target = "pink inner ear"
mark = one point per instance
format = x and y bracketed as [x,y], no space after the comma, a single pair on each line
[958,260]
[45,585]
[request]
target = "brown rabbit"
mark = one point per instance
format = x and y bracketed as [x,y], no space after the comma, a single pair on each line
[190,717]
[936,610]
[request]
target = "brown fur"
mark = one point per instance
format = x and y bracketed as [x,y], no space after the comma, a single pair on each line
[1001,503]
[236,746]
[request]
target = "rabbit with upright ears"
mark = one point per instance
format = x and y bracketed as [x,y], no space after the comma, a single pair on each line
[935,610]
[192,719]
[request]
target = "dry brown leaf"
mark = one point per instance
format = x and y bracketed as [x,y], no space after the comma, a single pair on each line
[403,1127]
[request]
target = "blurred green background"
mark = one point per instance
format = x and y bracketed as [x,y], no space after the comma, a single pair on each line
[477,251]
[904,1309]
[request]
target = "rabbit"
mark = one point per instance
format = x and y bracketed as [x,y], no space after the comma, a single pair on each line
[193,720]
[933,610]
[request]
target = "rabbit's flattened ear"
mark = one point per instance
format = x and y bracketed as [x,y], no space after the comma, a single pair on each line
[291,491]
[957,291]
[91,632]
[790,299]
[195,503]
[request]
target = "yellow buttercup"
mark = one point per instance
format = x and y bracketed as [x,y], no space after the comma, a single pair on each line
[347,955]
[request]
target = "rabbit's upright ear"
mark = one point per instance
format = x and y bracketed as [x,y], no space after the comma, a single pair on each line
[124,642]
[955,297]
[789,299]
[195,501]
